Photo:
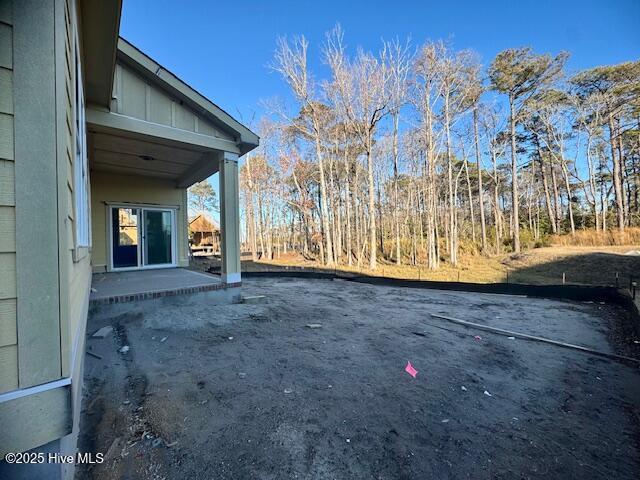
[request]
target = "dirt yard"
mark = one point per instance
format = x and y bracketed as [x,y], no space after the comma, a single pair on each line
[251,392]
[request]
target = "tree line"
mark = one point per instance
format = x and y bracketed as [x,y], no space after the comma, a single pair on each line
[414,154]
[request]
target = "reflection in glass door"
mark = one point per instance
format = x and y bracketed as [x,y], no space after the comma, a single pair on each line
[125,237]
[158,237]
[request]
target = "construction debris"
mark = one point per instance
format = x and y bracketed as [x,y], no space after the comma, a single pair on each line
[112,448]
[103,332]
[501,331]
[254,299]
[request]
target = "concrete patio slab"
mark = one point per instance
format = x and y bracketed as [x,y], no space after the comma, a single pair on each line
[119,287]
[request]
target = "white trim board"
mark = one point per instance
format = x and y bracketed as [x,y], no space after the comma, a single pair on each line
[25,392]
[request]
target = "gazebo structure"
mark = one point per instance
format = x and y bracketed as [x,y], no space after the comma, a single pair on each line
[204,234]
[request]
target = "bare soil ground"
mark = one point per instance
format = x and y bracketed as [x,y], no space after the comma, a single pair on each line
[250,392]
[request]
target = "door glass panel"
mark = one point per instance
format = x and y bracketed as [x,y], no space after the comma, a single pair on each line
[157,225]
[125,237]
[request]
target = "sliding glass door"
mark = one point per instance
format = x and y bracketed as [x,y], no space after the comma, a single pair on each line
[142,237]
[158,237]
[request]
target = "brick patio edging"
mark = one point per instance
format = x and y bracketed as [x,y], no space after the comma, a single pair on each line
[136,297]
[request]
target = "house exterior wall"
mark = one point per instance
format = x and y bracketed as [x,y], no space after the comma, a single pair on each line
[8,331]
[116,188]
[136,97]
[45,278]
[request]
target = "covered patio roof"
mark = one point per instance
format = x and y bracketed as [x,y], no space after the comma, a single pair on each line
[158,126]
[130,151]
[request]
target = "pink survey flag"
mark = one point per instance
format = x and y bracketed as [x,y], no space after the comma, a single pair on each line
[410,370]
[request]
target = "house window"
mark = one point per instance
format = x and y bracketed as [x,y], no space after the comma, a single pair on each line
[81,177]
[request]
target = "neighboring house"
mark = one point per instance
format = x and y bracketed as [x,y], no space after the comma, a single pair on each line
[98,144]
[204,234]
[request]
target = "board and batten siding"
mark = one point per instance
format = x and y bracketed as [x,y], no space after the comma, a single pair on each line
[8,324]
[135,97]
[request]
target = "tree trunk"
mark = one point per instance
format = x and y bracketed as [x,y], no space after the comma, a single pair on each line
[453,247]
[565,172]
[514,178]
[471,212]
[372,209]
[324,212]
[556,196]
[617,175]
[483,224]
[496,202]
[396,208]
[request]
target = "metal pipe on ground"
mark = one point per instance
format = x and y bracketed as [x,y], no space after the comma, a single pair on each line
[501,331]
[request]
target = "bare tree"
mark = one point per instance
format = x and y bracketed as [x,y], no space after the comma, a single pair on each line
[361,88]
[398,60]
[519,73]
[291,63]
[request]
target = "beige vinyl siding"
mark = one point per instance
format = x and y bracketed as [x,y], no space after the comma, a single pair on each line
[8,334]
[121,188]
[9,370]
[6,48]
[137,98]
[8,324]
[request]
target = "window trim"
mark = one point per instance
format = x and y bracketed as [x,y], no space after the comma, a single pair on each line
[81,185]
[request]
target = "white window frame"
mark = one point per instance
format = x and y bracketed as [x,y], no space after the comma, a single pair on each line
[141,207]
[82,212]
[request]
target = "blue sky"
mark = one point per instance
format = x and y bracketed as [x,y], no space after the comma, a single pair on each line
[223,48]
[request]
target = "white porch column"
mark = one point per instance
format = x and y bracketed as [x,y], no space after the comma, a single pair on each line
[230,217]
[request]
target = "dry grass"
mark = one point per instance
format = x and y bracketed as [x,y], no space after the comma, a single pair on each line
[541,266]
[591,238]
